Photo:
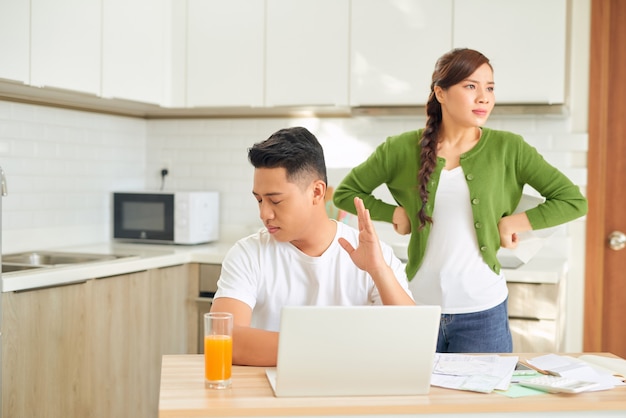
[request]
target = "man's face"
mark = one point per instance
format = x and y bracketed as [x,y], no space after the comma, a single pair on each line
[284,207]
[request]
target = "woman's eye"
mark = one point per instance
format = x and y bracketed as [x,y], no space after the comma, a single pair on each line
[470,86]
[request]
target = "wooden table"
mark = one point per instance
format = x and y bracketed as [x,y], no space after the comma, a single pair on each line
[183,395]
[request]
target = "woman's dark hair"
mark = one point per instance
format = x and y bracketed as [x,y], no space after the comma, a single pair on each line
[452,68]
[294,149]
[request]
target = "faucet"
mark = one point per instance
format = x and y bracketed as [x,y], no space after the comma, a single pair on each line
[3,183]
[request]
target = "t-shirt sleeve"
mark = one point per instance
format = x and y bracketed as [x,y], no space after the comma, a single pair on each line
[240,275]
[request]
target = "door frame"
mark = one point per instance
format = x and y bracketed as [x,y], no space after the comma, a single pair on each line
[600,86]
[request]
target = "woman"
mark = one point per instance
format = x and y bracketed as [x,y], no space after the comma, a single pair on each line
[457,185]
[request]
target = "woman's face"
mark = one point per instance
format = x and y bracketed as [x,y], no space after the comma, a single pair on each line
[470,102]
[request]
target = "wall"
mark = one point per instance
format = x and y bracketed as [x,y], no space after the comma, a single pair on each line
[60,167]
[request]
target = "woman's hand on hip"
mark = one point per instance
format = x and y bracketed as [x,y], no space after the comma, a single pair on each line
[401,222]
[510,226]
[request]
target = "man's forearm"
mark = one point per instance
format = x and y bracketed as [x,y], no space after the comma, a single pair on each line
[254,347]
[391,292]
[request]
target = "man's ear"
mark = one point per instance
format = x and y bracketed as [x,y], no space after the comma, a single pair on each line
[319,191]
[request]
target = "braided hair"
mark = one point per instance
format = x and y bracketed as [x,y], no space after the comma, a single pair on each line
[452,68]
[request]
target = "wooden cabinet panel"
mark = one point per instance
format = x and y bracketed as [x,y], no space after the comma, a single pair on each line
[122,346]
[47,365]
[65,44]
[526,47]
[94,349]
[15,40]
[394,46]
[307,54]
[225,61]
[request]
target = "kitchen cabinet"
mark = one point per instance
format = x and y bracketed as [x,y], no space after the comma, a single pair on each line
[537,310]
[225,62]
[307,57]
[15,40]
[525,42]
[136,37]
[136,318]
[47,365]
[394,46]
[65,43]
[209,275]
[94,349]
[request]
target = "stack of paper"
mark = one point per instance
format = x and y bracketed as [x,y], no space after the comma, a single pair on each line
[478,373]
[580,369]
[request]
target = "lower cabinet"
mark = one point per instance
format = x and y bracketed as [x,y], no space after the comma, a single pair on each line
[536,316]
[94,349]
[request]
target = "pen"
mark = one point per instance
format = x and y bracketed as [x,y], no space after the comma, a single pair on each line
[546,372]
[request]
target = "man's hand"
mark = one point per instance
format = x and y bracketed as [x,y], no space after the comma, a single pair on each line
[368,255]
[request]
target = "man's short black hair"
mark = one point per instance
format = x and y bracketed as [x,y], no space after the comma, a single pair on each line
[295,149]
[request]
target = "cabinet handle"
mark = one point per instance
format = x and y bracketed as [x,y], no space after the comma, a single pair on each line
[51,286]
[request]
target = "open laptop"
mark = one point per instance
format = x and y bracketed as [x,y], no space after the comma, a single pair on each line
[355,350]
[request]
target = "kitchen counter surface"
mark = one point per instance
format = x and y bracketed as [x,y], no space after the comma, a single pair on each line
[149,256]
[183,394]
[140,257]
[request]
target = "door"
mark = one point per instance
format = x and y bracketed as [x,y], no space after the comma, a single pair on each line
[605,280]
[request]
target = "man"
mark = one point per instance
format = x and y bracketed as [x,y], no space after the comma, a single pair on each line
[297,258]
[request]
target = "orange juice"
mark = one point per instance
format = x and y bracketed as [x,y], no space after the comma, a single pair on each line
[218,357]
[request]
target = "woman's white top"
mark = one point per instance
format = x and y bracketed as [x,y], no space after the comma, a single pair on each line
[453,273]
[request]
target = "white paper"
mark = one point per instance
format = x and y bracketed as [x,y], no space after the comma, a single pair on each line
[479,373]
[573,368]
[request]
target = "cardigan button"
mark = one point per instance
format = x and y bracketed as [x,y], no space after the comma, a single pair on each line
[470,177]
[483,248]
[475,201]
[478,225]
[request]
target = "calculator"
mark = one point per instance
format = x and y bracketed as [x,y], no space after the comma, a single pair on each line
[558,384]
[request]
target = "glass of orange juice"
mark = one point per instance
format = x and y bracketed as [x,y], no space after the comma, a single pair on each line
[218,349]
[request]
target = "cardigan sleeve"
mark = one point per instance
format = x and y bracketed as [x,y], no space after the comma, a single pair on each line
[564,201]
[362,180]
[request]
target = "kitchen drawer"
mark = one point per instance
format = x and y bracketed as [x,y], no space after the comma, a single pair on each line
[536,336]
[209,275]
[536,300]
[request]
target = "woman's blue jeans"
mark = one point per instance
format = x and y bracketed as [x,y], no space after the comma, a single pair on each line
[479,332]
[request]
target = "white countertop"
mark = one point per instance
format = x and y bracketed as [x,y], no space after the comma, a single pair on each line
[149,256]
[142,257]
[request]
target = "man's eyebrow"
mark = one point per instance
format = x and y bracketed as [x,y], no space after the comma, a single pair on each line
[268,194]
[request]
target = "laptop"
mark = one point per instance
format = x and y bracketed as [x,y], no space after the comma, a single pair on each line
[355,350]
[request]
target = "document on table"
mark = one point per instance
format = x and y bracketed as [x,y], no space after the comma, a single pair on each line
[576,369]
[478,373]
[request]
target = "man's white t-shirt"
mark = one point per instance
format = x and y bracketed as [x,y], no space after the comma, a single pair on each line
[267,275]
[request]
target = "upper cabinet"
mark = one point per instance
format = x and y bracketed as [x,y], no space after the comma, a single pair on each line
[394,48]
[307,50]
[225,60]
[525,42]
[277,53]
[65,44]
[135,39]
[15,39]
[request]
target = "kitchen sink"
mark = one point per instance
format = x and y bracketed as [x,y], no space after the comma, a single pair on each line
[9,268]
[41,259]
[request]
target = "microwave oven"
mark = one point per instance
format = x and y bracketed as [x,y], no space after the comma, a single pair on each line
[166,217]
